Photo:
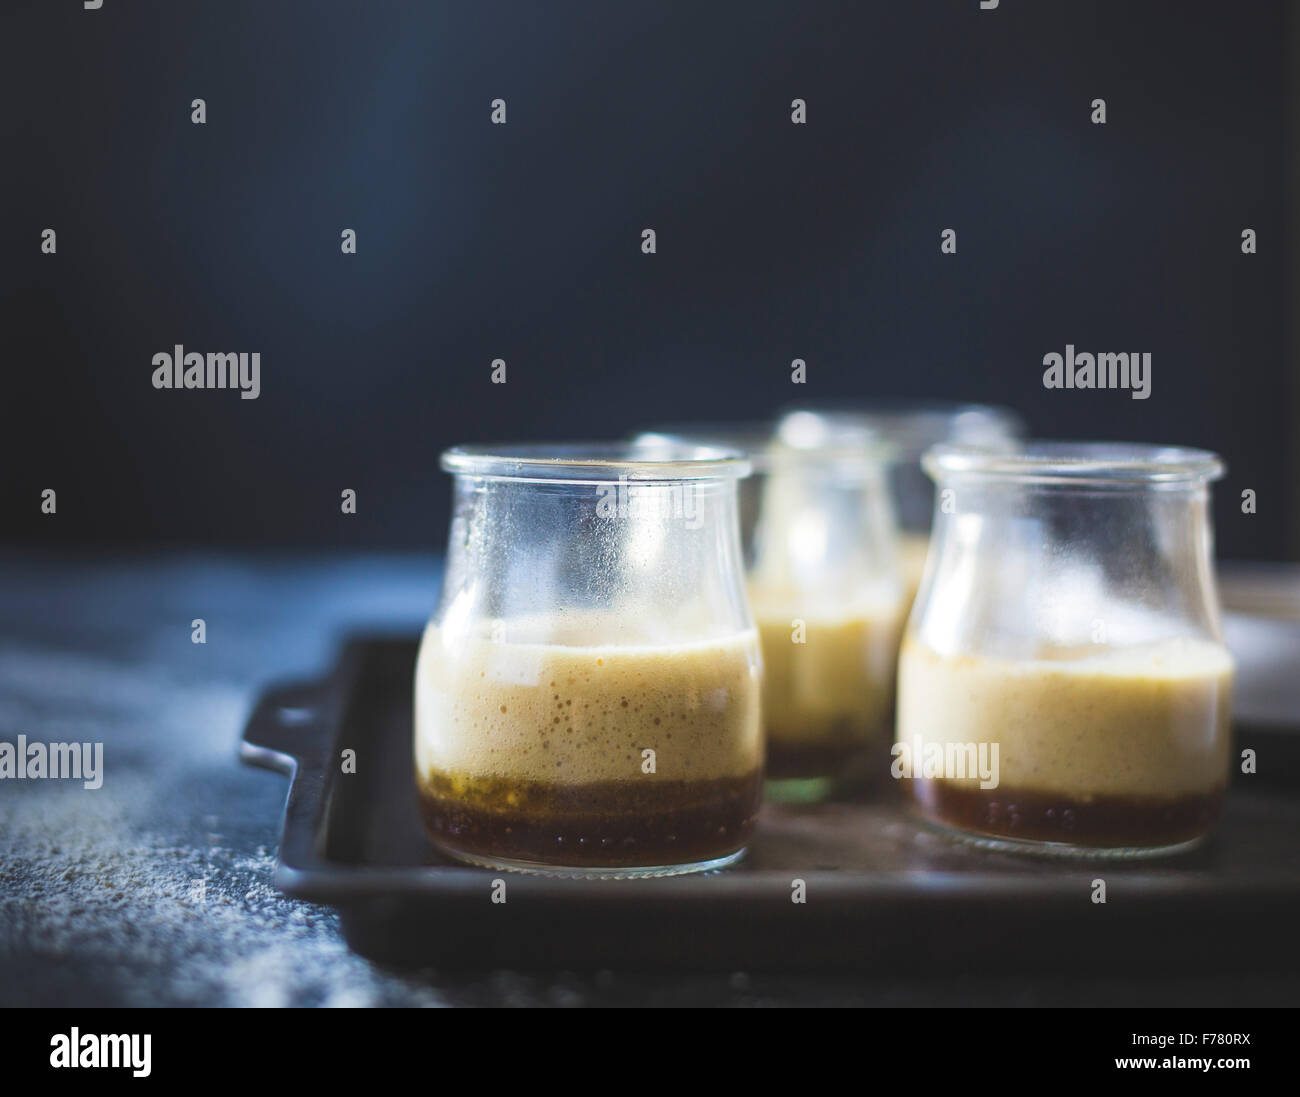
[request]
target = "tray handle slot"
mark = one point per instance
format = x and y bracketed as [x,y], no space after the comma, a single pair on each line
[285,727]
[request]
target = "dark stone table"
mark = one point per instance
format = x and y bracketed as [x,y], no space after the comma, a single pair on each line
[155,888]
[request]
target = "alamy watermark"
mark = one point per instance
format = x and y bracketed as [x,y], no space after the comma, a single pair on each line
[952,761]
[194,370]
[24,761]
[1104,370]
[122,1051]
[652,500]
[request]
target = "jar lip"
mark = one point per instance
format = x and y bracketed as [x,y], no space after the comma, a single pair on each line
[1078,462]
[778,444]
[910,427]
[749,438]
[595,462]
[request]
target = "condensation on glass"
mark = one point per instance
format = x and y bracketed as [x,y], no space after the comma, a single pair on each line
[587,692]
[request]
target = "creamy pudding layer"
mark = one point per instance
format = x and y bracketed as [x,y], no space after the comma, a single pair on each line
[833,693]
[1148,722]
[491,713]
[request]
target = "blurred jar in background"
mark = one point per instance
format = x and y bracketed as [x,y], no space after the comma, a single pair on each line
[909,428]
[828,600]
[820,547]
[1063,685]
[751,439]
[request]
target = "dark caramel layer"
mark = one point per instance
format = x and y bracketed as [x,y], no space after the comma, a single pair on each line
[1099,821]
[616,824]
[824,759]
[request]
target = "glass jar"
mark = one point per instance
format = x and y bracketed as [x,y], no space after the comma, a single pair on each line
[826,593]
[909,428]
[820,548]
[751,439]
[1063,683]
[587,693]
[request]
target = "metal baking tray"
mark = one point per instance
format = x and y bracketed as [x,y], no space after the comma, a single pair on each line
[883,892]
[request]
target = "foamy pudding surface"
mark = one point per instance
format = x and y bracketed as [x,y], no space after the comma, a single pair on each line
[1146,721]
[573,714]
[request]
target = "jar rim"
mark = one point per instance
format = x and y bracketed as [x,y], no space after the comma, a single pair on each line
[1078,462]
[749,438]
[910,427]
[772,445]
[595,462]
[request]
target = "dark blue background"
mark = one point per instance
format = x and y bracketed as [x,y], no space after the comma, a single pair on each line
[522,241]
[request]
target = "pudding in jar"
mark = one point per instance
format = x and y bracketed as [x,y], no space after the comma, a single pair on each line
[534,747]
[1112,748]
[825,592]
[828,683]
